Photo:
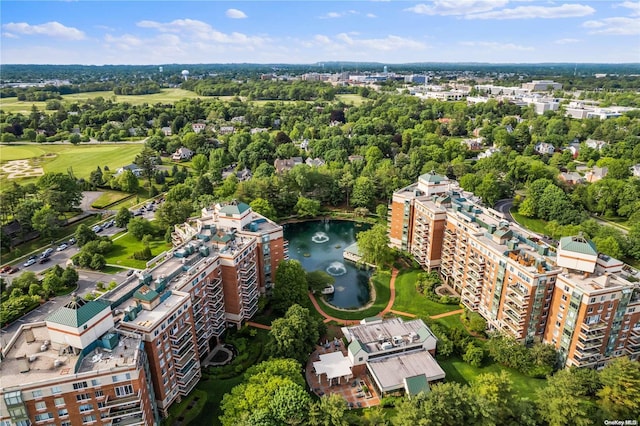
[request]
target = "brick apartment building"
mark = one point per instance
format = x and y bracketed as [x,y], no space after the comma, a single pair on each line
[584,303]
[126,357]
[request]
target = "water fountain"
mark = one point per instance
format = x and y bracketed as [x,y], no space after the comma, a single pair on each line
[320,237]
[336,269]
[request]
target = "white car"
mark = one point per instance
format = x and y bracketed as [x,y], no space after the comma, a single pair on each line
[62,246]
[29,263]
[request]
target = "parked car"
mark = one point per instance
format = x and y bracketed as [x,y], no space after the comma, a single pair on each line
[14,270]
[5,269]
[130,272]
[62,246]
[44,260]
[107,225]
[97,228]
[29,263]
[46,253]
[72,241]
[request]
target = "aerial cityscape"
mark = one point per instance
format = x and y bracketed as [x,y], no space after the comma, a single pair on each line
[320,213]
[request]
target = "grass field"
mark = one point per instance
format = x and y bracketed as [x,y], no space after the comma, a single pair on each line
[165,96]
[215,390]
[535,225]
[123,248]
[108,198]
[408,299]
[82,158]
[350,98]
[461,372]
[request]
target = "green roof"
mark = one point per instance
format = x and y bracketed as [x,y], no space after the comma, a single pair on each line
[224,238]
[578,244]
[234,208]
[77,312]
[355,346]
[416,384]
[504,233]
[145,293]
[432,177]
[353,249]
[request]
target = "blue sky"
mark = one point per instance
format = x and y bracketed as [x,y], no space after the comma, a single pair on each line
[263,31]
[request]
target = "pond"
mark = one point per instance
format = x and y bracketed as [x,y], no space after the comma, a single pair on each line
[318,245]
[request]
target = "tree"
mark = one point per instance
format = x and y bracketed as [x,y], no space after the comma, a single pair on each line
[139,227]
[290,285]
[374,245]
[69,277]
[172,213]
[96,177]
[330,410]
[45,220]
[381,211]
[200,163]
[146,160]
[60,190]
[263,207]
[473,355]
[83,235]
[295,334]
[127,181]
[620,393]
[317,280]
[122,217]
[562,401]
[306,207]
[363,192]
[290,405]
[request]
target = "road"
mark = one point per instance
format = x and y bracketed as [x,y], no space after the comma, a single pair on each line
[503,206]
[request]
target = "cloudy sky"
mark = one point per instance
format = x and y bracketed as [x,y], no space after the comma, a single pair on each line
[264,31]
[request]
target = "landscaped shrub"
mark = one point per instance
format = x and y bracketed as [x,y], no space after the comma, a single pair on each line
[473,355]
[144,254]
[538,360]
[427,283]
[473,321]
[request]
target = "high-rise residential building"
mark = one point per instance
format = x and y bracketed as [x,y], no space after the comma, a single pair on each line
[584,303]
[126,357]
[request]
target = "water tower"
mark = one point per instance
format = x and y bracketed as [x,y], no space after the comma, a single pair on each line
[185,74]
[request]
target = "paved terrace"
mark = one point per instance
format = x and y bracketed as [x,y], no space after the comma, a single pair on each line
[350,393]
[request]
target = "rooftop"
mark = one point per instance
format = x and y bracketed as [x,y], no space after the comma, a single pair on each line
[77,312]
[389,372]
[28,360]
[234,208]
[372,336]
[147,320]
[578,244]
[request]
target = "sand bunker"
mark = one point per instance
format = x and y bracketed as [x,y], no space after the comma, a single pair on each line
[16,169]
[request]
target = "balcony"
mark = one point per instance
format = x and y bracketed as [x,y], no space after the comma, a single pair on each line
[593,329]
[517,319]
[124,411]
[115,401]
[183,356]
[180,344]
[584,354]
[131,421]
[589,344]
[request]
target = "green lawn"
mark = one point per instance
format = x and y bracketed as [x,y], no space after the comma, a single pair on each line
[535,225]
[351,98]
[83,159]
[108,198]
[165,96]
[215,389]
[459,371]
[123,248]
[409,300]
[380,282]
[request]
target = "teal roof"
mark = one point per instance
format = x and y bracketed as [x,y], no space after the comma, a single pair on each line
[432,177]
[145,293]
[504,233]
[353,249]
[416,384]
[77,312]
[578,244]
[234,208]
[355,346]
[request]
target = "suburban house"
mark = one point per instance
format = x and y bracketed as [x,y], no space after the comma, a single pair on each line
[488,153]
[596,174]
[258,130]
[545,148]
[473,144]
[397,356]
[166,131]
[635,170]
[314,162]
[595,144]
[198,127]
[244,174]
[286,164]
[571,178]
[574,148]
[239,119]
[226,130]
[182,154]
[354,158]
[135,169]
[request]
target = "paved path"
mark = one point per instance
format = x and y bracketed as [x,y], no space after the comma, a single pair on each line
[258,325]
[404,314]
[447,314]
[392,297]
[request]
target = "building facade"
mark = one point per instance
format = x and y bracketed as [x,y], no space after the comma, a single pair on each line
[521,285]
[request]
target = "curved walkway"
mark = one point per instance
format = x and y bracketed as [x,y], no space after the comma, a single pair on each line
[386,310]
[258,325]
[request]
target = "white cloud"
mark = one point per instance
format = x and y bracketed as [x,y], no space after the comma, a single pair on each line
[49,29]
[566,41]
[633,5]
[9,35]
[322,39]
[336,15]
[456,7]
[495,45]
[235,14]
[371,15]
[614,26]
[201,31]
[539,12]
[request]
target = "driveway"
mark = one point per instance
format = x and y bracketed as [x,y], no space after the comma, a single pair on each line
[88,197]
[503,206]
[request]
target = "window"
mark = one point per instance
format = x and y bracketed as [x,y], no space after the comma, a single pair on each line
[95,382]
[86,407]
[58,401]
[41,405]
[121,377]
[56,389]
[65,424]
[63,412]
[80,385]
[99,394]
[37,393]
[83,396]
[89,419]
[124,390]
[43,416]
[17,412]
